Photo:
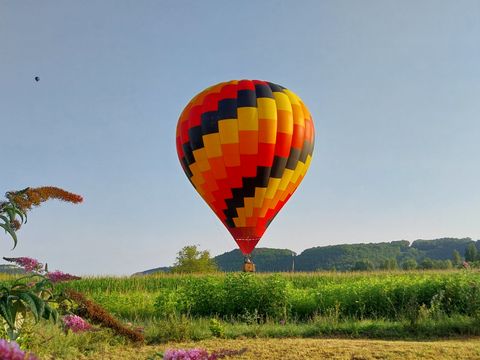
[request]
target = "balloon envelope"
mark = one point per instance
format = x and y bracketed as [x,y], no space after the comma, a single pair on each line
[245,146]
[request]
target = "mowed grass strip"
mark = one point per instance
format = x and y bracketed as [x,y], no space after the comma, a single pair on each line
[294,349]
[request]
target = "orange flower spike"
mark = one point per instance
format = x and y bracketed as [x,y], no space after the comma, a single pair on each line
[35,196]
[49,192]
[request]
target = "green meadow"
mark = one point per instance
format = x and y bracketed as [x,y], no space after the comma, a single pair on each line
[169,309]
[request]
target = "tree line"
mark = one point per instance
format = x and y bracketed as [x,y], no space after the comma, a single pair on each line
[444,253]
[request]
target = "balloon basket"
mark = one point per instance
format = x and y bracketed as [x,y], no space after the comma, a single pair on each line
[248,265]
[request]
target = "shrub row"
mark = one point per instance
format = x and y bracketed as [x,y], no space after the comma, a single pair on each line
[276,296]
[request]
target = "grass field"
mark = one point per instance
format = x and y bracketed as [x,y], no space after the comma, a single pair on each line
[301,349]
[376,295]
[379,315]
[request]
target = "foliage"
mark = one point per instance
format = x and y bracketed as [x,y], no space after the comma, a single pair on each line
[395,305]
[344,257]
[12,216]
[31,294]
[363,265]
[409,264]
[441,248]
[253,298]
[385,256]
[19,298]
[471,253]
[428,264]
[241,294]
[133,298]
[456,258]
[34,293]
[389,264]
[191,260]
[49,341]
[216,328]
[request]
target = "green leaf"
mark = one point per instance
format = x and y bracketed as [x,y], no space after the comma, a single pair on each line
[11,213]
[11,232]
[6,314]
[40,304]
[50,313]
[30,304]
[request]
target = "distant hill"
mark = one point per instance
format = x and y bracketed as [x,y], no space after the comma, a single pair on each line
[342,257]
[164,269]
[10,269]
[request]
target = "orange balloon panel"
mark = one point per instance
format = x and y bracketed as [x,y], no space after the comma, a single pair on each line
[245,146]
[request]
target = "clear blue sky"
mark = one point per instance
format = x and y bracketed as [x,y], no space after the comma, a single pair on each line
[393,87]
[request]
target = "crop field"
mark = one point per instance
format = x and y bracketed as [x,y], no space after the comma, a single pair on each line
[290,297]
[414,314]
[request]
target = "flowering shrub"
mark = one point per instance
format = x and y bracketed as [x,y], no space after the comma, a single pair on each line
[18,298]
[75,323]
[33,265]
[34,296]
[22,297]
[59,276]
[11,351]
[28,264]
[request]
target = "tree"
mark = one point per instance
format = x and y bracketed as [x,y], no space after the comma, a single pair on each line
[191,260]
[409,264]
[427,263]
[363,265]
[456,258]
[389,264]
[471,252]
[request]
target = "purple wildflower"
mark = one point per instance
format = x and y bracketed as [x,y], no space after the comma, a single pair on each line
[75,323]
[28,264]
[58,276]
[11,351]
[200,354]
[183,354]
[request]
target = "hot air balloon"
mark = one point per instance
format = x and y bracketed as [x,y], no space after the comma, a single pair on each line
[245,146]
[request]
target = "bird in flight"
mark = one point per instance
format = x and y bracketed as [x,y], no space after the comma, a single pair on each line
[37,79]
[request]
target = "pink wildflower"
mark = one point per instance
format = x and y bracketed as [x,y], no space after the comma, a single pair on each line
[75,323]
[200,354]
[28,264]
[11,351]
[182,354]
[58,276]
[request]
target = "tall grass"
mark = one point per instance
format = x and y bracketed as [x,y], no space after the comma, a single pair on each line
[376,295]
